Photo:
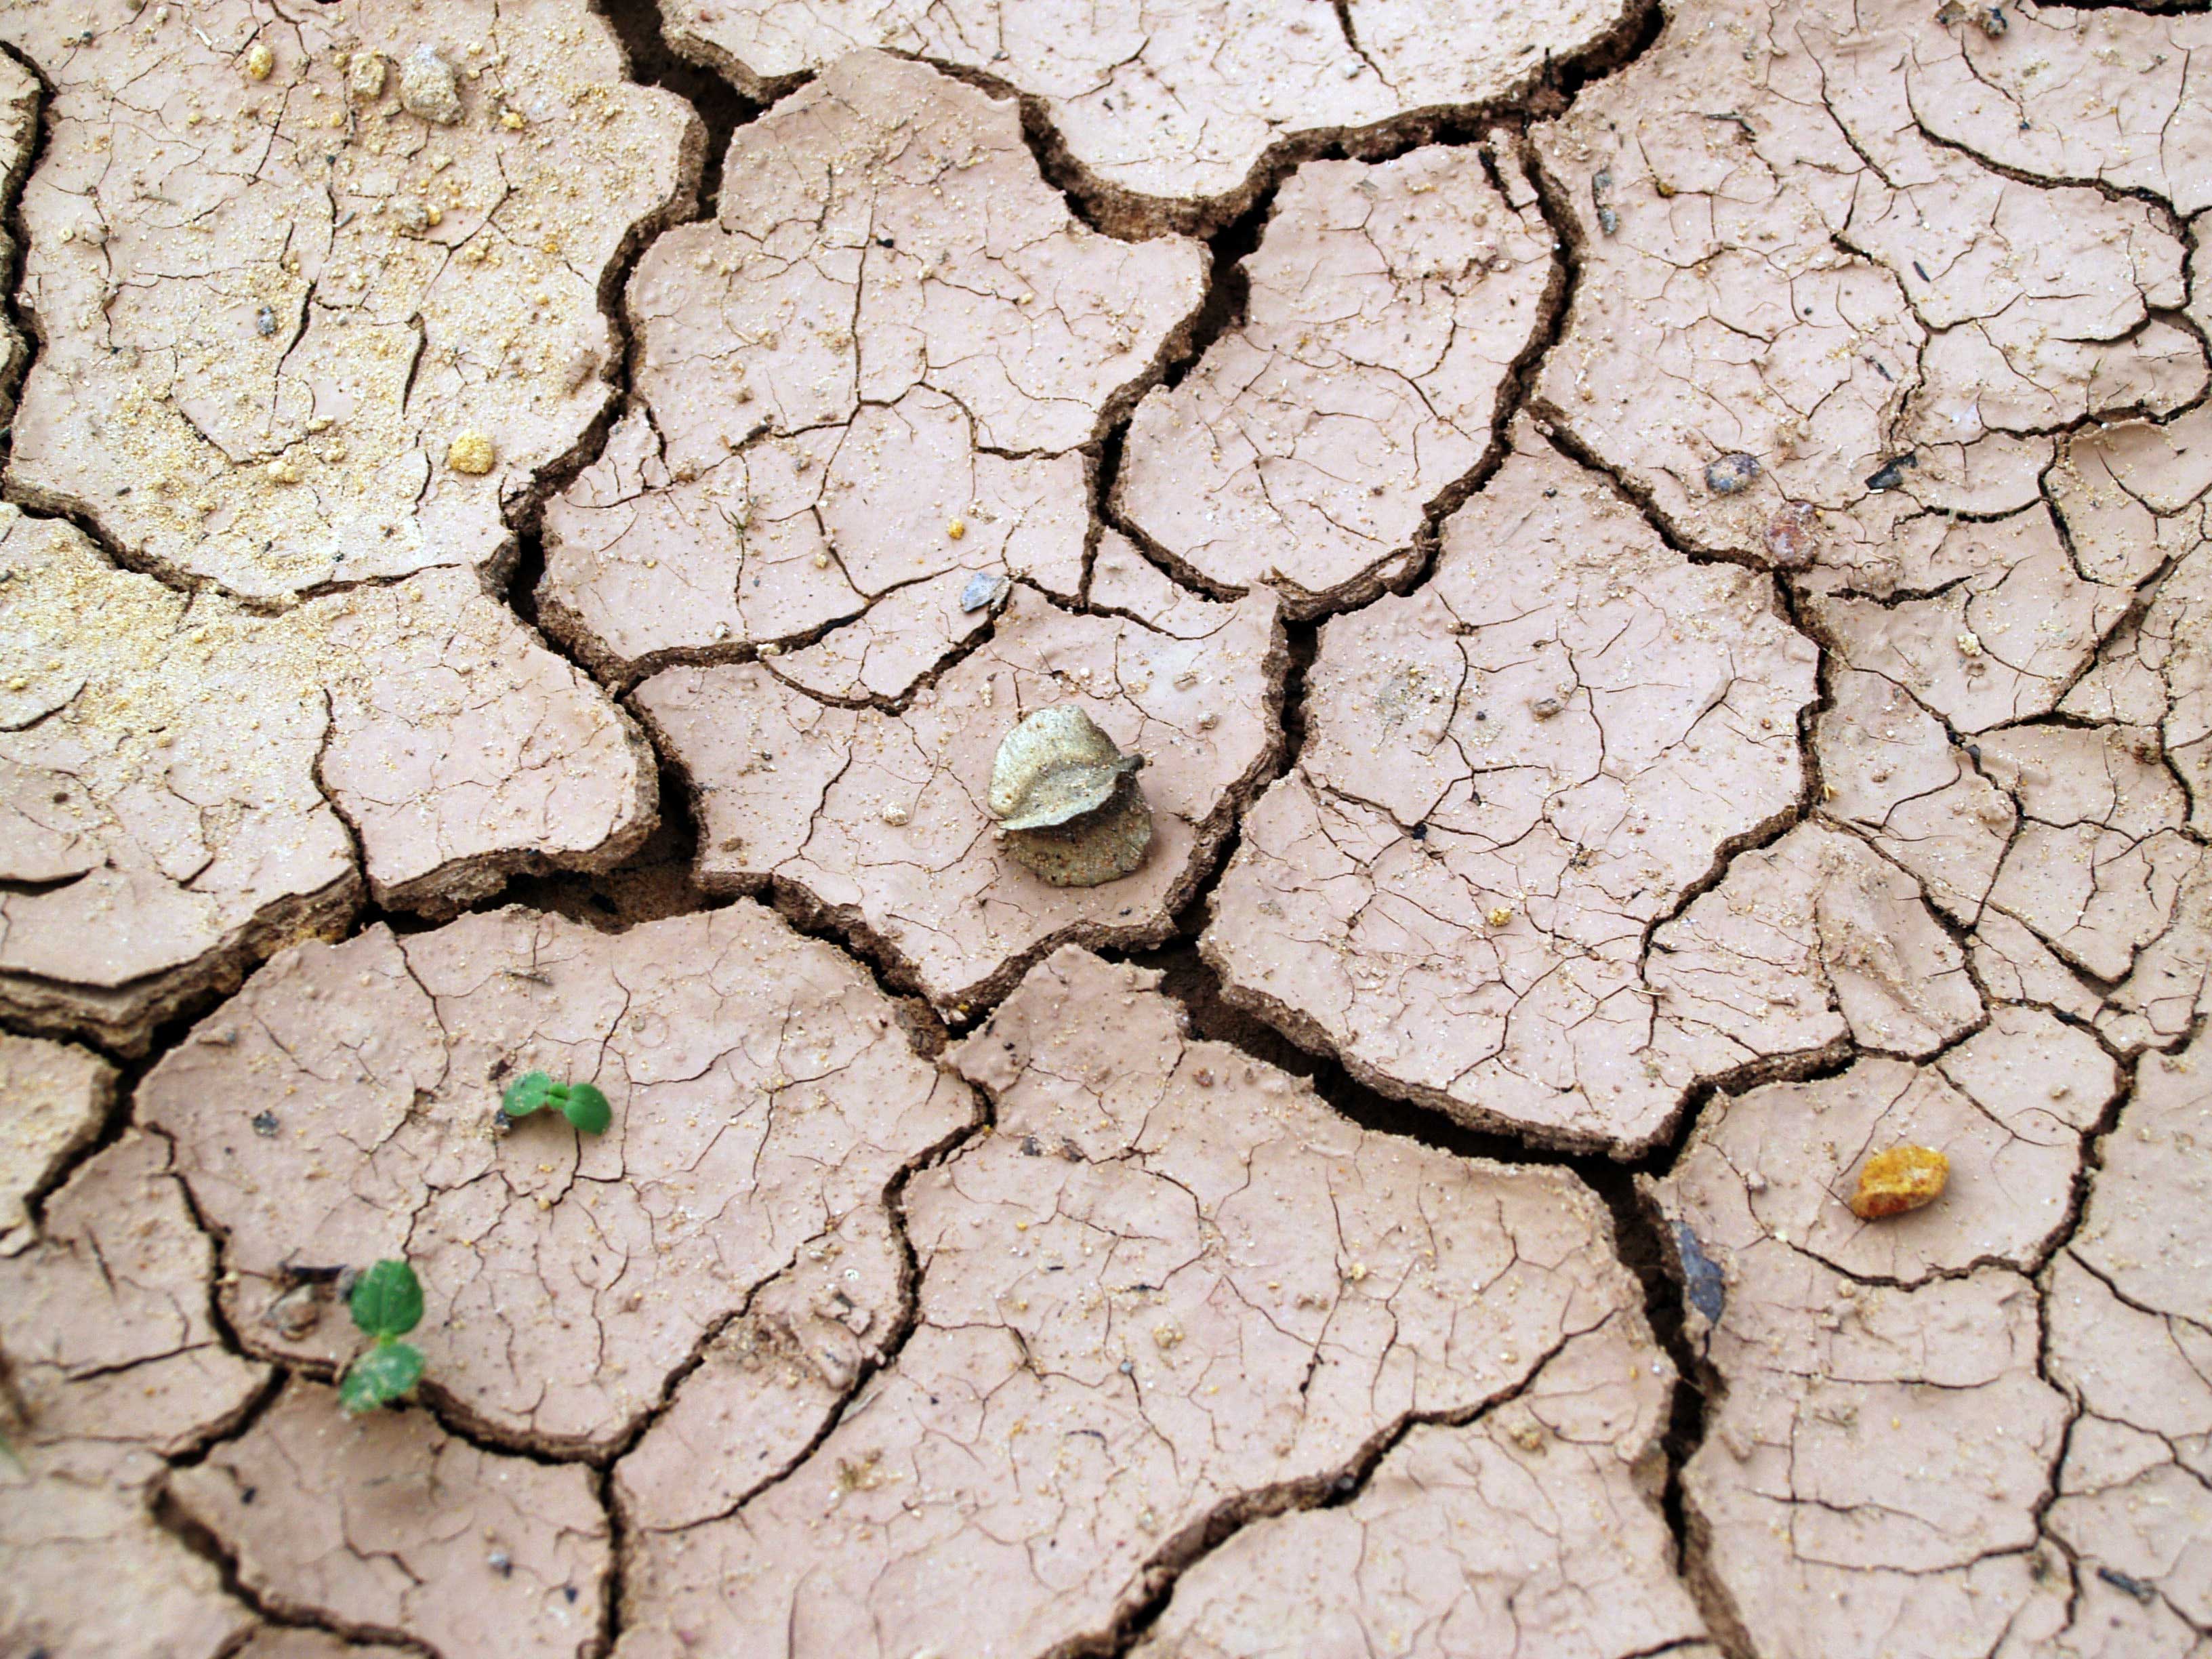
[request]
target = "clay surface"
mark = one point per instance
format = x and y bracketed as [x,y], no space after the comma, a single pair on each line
[265,307]
[1888,1438]
[1930,1433]
[20,100]
[2098,861]
[1890,770]
[879,821]
[2131,1334]
[107,1331]
[1530,1531]
[57,1097]
[2135,498]
[1881,1454]
[1123,1330]
[1657,561]
[1385,307]
[1155,104]
[190,784]
[112,1361]
[1785,263]
[1805,941]
[282,1642]
[344,1109]
[268,296]
[870,377]
[326,1518]
[1508,779]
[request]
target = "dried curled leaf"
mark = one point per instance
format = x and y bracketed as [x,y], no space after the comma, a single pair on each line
[1067,800]
[1055,767]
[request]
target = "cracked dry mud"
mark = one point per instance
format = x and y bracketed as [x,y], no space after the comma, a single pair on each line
[1123,1332]
[1658,559]
[1386,307]
[1164,112]
[1508,777]
[816,435]
[263,307]
[192,781]
[113,1363]
[266,305]
[344,1107]
[878,822]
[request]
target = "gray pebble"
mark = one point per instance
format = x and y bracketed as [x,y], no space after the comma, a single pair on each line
[1731,475]
[985,588]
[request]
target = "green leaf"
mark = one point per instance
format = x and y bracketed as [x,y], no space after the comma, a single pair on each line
[587,1109]
[527,1094]
[385,1373]
[387,1300]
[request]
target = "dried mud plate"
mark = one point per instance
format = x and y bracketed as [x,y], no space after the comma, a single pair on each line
[1508,779]
[880,822]
[344,1108]
[1128,1328]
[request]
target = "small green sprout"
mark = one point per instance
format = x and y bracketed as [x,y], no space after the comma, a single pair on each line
[387,1304]
[581,1104]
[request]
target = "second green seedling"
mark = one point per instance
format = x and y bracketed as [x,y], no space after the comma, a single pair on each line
[581,1104]
[387,1303]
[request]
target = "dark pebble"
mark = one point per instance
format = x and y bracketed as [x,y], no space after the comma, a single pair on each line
[1731,475]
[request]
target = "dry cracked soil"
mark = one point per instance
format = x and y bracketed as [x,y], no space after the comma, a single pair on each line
[1652,561]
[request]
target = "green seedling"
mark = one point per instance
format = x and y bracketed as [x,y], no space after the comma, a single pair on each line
[387,1304]
[581,1104]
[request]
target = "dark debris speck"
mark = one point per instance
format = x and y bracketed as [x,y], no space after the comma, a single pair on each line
[2133,1586]
[1701,1276]
[1891,473]
[1600,186]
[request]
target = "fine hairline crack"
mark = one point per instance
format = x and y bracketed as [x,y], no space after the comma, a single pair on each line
[628,15]
[638,23]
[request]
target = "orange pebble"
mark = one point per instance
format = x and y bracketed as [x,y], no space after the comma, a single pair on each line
[1902,1178]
